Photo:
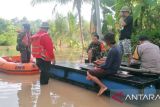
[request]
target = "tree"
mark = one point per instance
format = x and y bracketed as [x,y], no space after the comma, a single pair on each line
[76,4]
[7,32]
[71,23]
[146,15]
[95,18]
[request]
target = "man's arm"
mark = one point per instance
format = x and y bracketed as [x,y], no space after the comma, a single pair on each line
[48,45]
[89,47]
[127,21]
[122,22]
[109,60]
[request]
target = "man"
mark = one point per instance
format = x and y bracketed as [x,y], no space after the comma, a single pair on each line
[110,66]
[126,22]
[23,43]
[148,53]
[42,50]
[96,49]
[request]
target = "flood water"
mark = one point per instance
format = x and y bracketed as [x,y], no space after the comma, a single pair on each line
[25,91]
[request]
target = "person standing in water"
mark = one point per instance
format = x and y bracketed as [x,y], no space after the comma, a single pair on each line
[24,44]
[43,51]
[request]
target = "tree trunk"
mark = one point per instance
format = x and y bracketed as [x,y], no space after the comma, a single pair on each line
[141,18]
[98,27]
[92,20]
[80,26]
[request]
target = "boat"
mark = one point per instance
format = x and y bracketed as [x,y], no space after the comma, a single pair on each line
[122,82]
[13,65]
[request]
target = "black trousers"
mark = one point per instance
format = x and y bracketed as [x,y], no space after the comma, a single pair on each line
[44,66]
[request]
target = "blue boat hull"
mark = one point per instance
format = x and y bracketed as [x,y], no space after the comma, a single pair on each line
[126,85]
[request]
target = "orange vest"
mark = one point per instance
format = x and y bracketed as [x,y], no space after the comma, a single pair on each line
[38,50]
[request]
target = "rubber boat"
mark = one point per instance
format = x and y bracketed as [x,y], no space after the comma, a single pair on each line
[12,65]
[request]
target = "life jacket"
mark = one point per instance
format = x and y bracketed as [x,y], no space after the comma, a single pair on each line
[38,50]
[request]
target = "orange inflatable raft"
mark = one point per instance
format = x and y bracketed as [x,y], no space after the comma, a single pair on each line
[12,65]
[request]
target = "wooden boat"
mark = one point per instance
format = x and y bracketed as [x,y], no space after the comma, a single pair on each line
[120,82]
[12,65]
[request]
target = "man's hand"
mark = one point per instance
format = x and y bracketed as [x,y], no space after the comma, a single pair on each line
[122,22]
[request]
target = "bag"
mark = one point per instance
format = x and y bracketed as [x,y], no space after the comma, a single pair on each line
[135,54]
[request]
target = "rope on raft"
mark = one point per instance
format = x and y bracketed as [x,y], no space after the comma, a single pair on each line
[128,69]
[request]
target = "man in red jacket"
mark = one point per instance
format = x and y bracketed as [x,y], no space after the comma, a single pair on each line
[43,51]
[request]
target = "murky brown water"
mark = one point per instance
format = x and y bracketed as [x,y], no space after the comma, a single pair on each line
[25,91]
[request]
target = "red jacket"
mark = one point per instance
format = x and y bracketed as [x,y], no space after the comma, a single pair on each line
[44,43]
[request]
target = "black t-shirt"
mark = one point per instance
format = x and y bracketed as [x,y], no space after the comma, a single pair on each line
[127,30]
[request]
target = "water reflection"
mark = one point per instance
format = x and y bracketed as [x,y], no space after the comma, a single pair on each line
[8,92]
[24,96]
[67,105]
[26,91]
[54,97]
[35,89]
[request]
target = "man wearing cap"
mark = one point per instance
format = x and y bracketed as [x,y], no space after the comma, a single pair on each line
[126,22]
[96,49]
[23,43]
[43,51]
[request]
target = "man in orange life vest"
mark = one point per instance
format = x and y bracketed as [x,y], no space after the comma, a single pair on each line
[43,51]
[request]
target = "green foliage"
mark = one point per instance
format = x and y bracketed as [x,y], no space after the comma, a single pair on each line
[7,33]
[104,27]
[153,36]
[72,23]
[35,25]
[108,24]
[145,13]
[65,31]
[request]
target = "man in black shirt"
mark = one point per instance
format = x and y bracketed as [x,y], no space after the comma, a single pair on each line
[126,22]
[110,66]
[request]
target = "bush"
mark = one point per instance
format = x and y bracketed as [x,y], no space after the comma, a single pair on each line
[6,40]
